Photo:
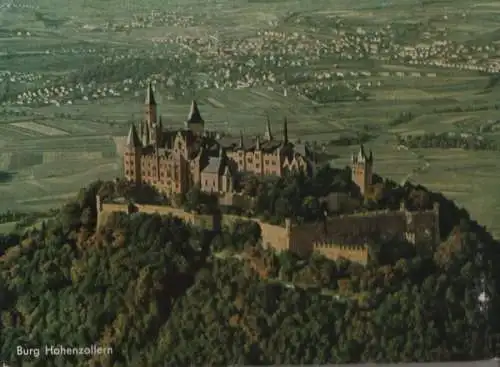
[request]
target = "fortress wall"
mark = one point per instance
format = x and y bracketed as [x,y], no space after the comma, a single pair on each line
[353,253]
[107,209]
[204,221]
[274,236]
[351,230]
[302,238]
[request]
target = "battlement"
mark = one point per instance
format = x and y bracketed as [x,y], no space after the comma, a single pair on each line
[332,237]
[329,245]
[357,253]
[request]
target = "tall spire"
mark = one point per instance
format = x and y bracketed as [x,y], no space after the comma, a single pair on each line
[133,140]
[257,143]
[145,135]
[194,114]
[285,131]
[361,153]
[241,140]
[268,135]
[150,97]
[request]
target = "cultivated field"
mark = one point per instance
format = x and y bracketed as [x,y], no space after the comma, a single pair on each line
[72,80]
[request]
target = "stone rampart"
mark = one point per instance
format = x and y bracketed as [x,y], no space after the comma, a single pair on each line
[335,237]
[357,253]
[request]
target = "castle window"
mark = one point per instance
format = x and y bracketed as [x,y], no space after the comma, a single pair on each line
[257,165]
[273,162]
[267,161]
[127,172]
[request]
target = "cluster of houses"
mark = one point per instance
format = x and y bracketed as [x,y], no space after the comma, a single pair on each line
[274,59]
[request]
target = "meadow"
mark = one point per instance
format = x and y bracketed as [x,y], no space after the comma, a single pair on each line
[64,140]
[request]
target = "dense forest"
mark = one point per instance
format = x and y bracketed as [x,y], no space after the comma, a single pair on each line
[161,292]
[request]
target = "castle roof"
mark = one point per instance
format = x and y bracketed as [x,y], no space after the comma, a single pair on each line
[132,138]
[361,157]
[150,97]
[234,143]
[268,135]
[194,114]
[215,165]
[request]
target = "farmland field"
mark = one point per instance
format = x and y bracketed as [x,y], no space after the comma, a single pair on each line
[72,81]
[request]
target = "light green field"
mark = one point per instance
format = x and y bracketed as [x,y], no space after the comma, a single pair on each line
[51,151]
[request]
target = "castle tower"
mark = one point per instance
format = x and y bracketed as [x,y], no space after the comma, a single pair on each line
[145,136]
[150,106]
[362,170]
[240,143]
[285,131]
[132,156]
[149,126]
[194,121]
[268,135]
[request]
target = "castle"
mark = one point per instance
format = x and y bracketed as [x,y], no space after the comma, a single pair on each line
[174,161]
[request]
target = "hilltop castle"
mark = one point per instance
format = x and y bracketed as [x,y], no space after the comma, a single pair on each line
[175,160]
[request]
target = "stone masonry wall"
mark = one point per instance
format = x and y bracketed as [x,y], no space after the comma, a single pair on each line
[329,238]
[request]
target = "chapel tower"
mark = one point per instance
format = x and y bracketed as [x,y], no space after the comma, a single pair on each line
[362,170]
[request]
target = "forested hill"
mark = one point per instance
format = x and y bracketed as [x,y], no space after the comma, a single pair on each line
[162,293]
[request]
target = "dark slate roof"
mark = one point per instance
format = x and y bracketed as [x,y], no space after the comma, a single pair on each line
[194,114]
[215,165]
[132,138]
[150,97]
[233,143]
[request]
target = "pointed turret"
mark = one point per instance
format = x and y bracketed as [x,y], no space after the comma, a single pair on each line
[194,116]
[241,145]
[194,120]
[150,110]
[133,140]
[361,153]
[257,143]
[268,135]
[285,131]
[221,152]
[145,135]
[150,97]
